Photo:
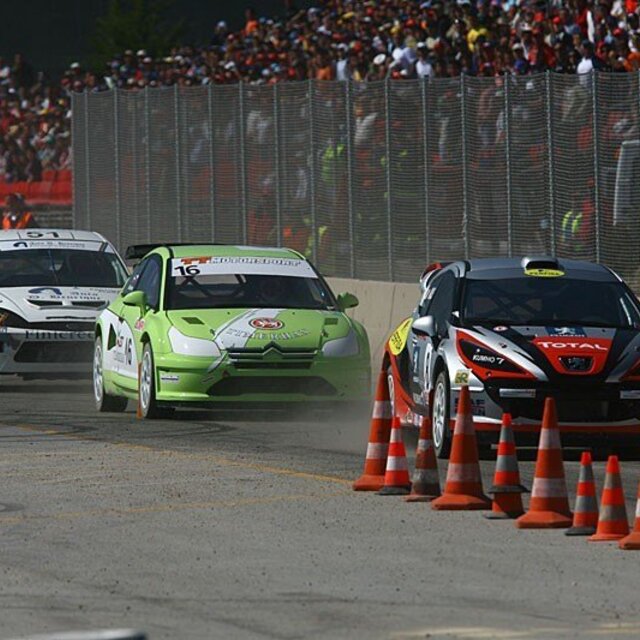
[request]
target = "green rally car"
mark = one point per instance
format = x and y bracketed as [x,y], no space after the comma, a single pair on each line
[201,324]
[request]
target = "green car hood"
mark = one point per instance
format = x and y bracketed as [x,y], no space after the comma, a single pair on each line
[254,328]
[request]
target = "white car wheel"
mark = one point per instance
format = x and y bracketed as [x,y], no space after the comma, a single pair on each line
[440,417]
[147,385]
[104,401]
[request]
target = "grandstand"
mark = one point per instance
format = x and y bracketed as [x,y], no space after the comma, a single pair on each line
[336,40]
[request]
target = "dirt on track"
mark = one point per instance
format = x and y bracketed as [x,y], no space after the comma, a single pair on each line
[245,526]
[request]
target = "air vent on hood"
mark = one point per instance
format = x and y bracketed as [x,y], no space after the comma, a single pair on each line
[90,304]
[46,303]
[540,262]
[192,320]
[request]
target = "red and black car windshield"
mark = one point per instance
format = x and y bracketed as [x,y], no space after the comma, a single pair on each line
[561,301]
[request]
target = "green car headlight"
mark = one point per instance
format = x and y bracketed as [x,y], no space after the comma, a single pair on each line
[342,347]
[188,346]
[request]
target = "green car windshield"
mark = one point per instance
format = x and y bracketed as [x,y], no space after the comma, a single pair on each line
[223,291]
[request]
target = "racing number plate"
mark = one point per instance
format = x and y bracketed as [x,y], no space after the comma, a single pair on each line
[399,337]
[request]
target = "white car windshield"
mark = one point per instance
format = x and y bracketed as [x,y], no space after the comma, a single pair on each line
[61,267]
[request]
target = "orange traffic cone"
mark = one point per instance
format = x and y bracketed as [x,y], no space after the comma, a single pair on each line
[139,405]
[375,462]
[506,489]
[425,484]
[549,506]
[396,477]
[463,489]
[585,515]
[632,541]
[612,522]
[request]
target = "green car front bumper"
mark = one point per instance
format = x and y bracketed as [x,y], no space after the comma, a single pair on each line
[181,379]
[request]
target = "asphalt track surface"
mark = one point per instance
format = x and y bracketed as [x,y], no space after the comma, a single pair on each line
[211,526]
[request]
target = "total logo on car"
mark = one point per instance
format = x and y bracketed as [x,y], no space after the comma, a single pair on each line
[53,285]
[516,331]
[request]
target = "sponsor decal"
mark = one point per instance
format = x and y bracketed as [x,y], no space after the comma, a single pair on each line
[246,265]
[500,328]
[544,273]
[56,336]
[139,324]
[54,290]
[487,358]
[266,323]
[575,355]
[579,346]
[398,338]
[566,331]
[261,335]
[461,377]
[169,377]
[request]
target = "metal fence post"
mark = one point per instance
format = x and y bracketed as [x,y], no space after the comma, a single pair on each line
[212,174]
[552,174]
[425,161]
[596,162]
[134,151]
[147,162]
[465,177]
[507,150]
[87,156]
[176,124]
[352,261]
[116,154]
[243,162]
[276,145]
[387,132]
[312,177]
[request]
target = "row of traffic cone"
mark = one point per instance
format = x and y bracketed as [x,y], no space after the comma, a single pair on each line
[549,506]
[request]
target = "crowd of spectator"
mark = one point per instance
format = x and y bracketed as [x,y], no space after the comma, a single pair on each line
[336,40]
[372,40]
[34,123]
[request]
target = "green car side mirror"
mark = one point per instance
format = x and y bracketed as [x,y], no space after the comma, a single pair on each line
[347,301]
[136,299]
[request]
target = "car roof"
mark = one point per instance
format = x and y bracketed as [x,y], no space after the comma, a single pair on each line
[191,250]
[499,268]
[62,234]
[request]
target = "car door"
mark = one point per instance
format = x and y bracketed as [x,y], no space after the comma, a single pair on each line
[134,319]
[437,301]
[113,326]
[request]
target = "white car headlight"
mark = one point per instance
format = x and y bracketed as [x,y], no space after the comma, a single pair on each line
[342,347]
[188,346]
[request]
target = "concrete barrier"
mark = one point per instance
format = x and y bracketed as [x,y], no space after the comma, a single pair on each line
[383,306]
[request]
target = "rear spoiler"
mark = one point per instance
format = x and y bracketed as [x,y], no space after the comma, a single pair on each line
[434,266]
[139,251]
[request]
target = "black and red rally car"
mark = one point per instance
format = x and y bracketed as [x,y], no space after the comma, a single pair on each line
[516,331]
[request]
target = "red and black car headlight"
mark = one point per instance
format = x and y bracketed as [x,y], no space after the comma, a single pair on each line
[487,363]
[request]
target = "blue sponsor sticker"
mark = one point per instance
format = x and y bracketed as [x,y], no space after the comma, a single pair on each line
[568,332]
[54,290]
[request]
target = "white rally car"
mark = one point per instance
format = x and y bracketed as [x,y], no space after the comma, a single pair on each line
[53,285]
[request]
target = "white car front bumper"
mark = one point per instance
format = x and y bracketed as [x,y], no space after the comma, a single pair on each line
[45,351]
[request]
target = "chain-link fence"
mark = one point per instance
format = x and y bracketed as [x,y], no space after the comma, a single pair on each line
[371,181]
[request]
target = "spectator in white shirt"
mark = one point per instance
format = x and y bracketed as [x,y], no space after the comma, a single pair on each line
[423,66]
